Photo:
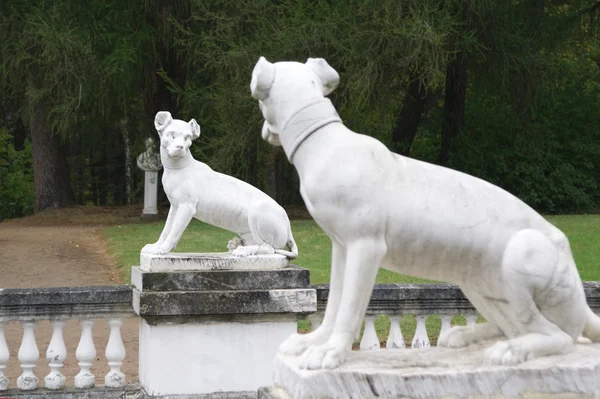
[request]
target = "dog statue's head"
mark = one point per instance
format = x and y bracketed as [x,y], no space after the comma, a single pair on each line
[175,135]
[282,88]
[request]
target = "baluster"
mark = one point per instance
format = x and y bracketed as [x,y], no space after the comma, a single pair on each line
[446,319]
[85,354]
[395,339]
[420,340]
[56,355]
[315,320]
[4,356]
[28,356]
[115,353]
[471,319]
[369,340]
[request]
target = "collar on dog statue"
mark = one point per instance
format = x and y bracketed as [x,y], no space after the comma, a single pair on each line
[304,122]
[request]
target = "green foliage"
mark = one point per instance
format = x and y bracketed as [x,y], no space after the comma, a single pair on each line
[102,69]
[551,159]
[16,178]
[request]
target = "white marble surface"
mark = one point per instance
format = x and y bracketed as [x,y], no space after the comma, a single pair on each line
[196,191]
[442,373]
[381,209]
[211,261]
[202,358]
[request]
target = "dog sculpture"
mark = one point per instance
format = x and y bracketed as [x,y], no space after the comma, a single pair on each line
[381,209]
[195,190]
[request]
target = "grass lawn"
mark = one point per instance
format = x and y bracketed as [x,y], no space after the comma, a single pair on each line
[126,241]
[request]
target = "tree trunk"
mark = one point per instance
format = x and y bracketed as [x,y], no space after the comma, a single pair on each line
[407,123]
[51,175]
[128,161]
[454,103]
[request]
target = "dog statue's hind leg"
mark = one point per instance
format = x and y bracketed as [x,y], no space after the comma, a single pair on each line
[546,307]
[298,343]
[358,284]
[461,336]
[268,229]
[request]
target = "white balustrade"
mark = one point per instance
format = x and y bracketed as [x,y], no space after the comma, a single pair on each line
[315,320]
[421,339]
[56,355]
[4,356]
[28,356]
[85,354]
[115,353]
[395,339]
[369,340]
[471,319]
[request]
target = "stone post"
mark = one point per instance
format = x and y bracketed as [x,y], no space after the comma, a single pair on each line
[208,331]
[149,162]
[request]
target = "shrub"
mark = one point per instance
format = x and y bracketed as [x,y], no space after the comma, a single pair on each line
[16,178]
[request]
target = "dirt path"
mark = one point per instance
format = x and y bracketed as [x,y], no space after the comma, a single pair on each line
[59,249]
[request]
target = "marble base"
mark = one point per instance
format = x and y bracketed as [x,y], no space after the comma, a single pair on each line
[441,373]
[211,261]
[204,358]
[150,217]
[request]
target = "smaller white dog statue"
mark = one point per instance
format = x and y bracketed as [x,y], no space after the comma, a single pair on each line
[195,190]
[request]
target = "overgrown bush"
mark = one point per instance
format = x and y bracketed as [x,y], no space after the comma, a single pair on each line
[16,178]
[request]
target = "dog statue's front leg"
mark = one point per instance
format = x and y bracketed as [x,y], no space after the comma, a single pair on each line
[181,219]
[154,248]
[363,259]
[298,343]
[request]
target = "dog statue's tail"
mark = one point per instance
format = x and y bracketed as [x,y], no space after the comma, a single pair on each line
[592,326]
[293,252]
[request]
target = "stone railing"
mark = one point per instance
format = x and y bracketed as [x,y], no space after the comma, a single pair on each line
[59,305]
[113,304]
[420,301]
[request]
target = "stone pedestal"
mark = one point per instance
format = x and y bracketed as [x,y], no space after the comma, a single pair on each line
[150,210]
[440,373]
[149,162]
[209,331]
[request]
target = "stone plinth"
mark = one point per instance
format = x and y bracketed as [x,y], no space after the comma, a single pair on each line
[440,373]
[211,261]
[208,331]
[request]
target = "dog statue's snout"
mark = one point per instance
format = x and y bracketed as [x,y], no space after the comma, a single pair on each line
[179,147]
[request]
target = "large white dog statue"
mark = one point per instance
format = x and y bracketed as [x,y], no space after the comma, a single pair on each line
[195,190]
[381,209]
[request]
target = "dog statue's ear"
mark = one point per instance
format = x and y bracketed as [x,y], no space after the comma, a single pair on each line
[263,76]
[329,76]
[162,120]
[195,129]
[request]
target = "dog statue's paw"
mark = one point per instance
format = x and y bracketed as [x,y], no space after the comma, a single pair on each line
[299,343]
[154,249]
[456,337]
[151,249]
[503,353]
[244,251]
[327,356]
[234,243]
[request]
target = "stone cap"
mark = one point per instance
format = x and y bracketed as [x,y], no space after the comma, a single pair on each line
[186,304]
[216,280]
[426,299]
[65,302]
[210,261]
